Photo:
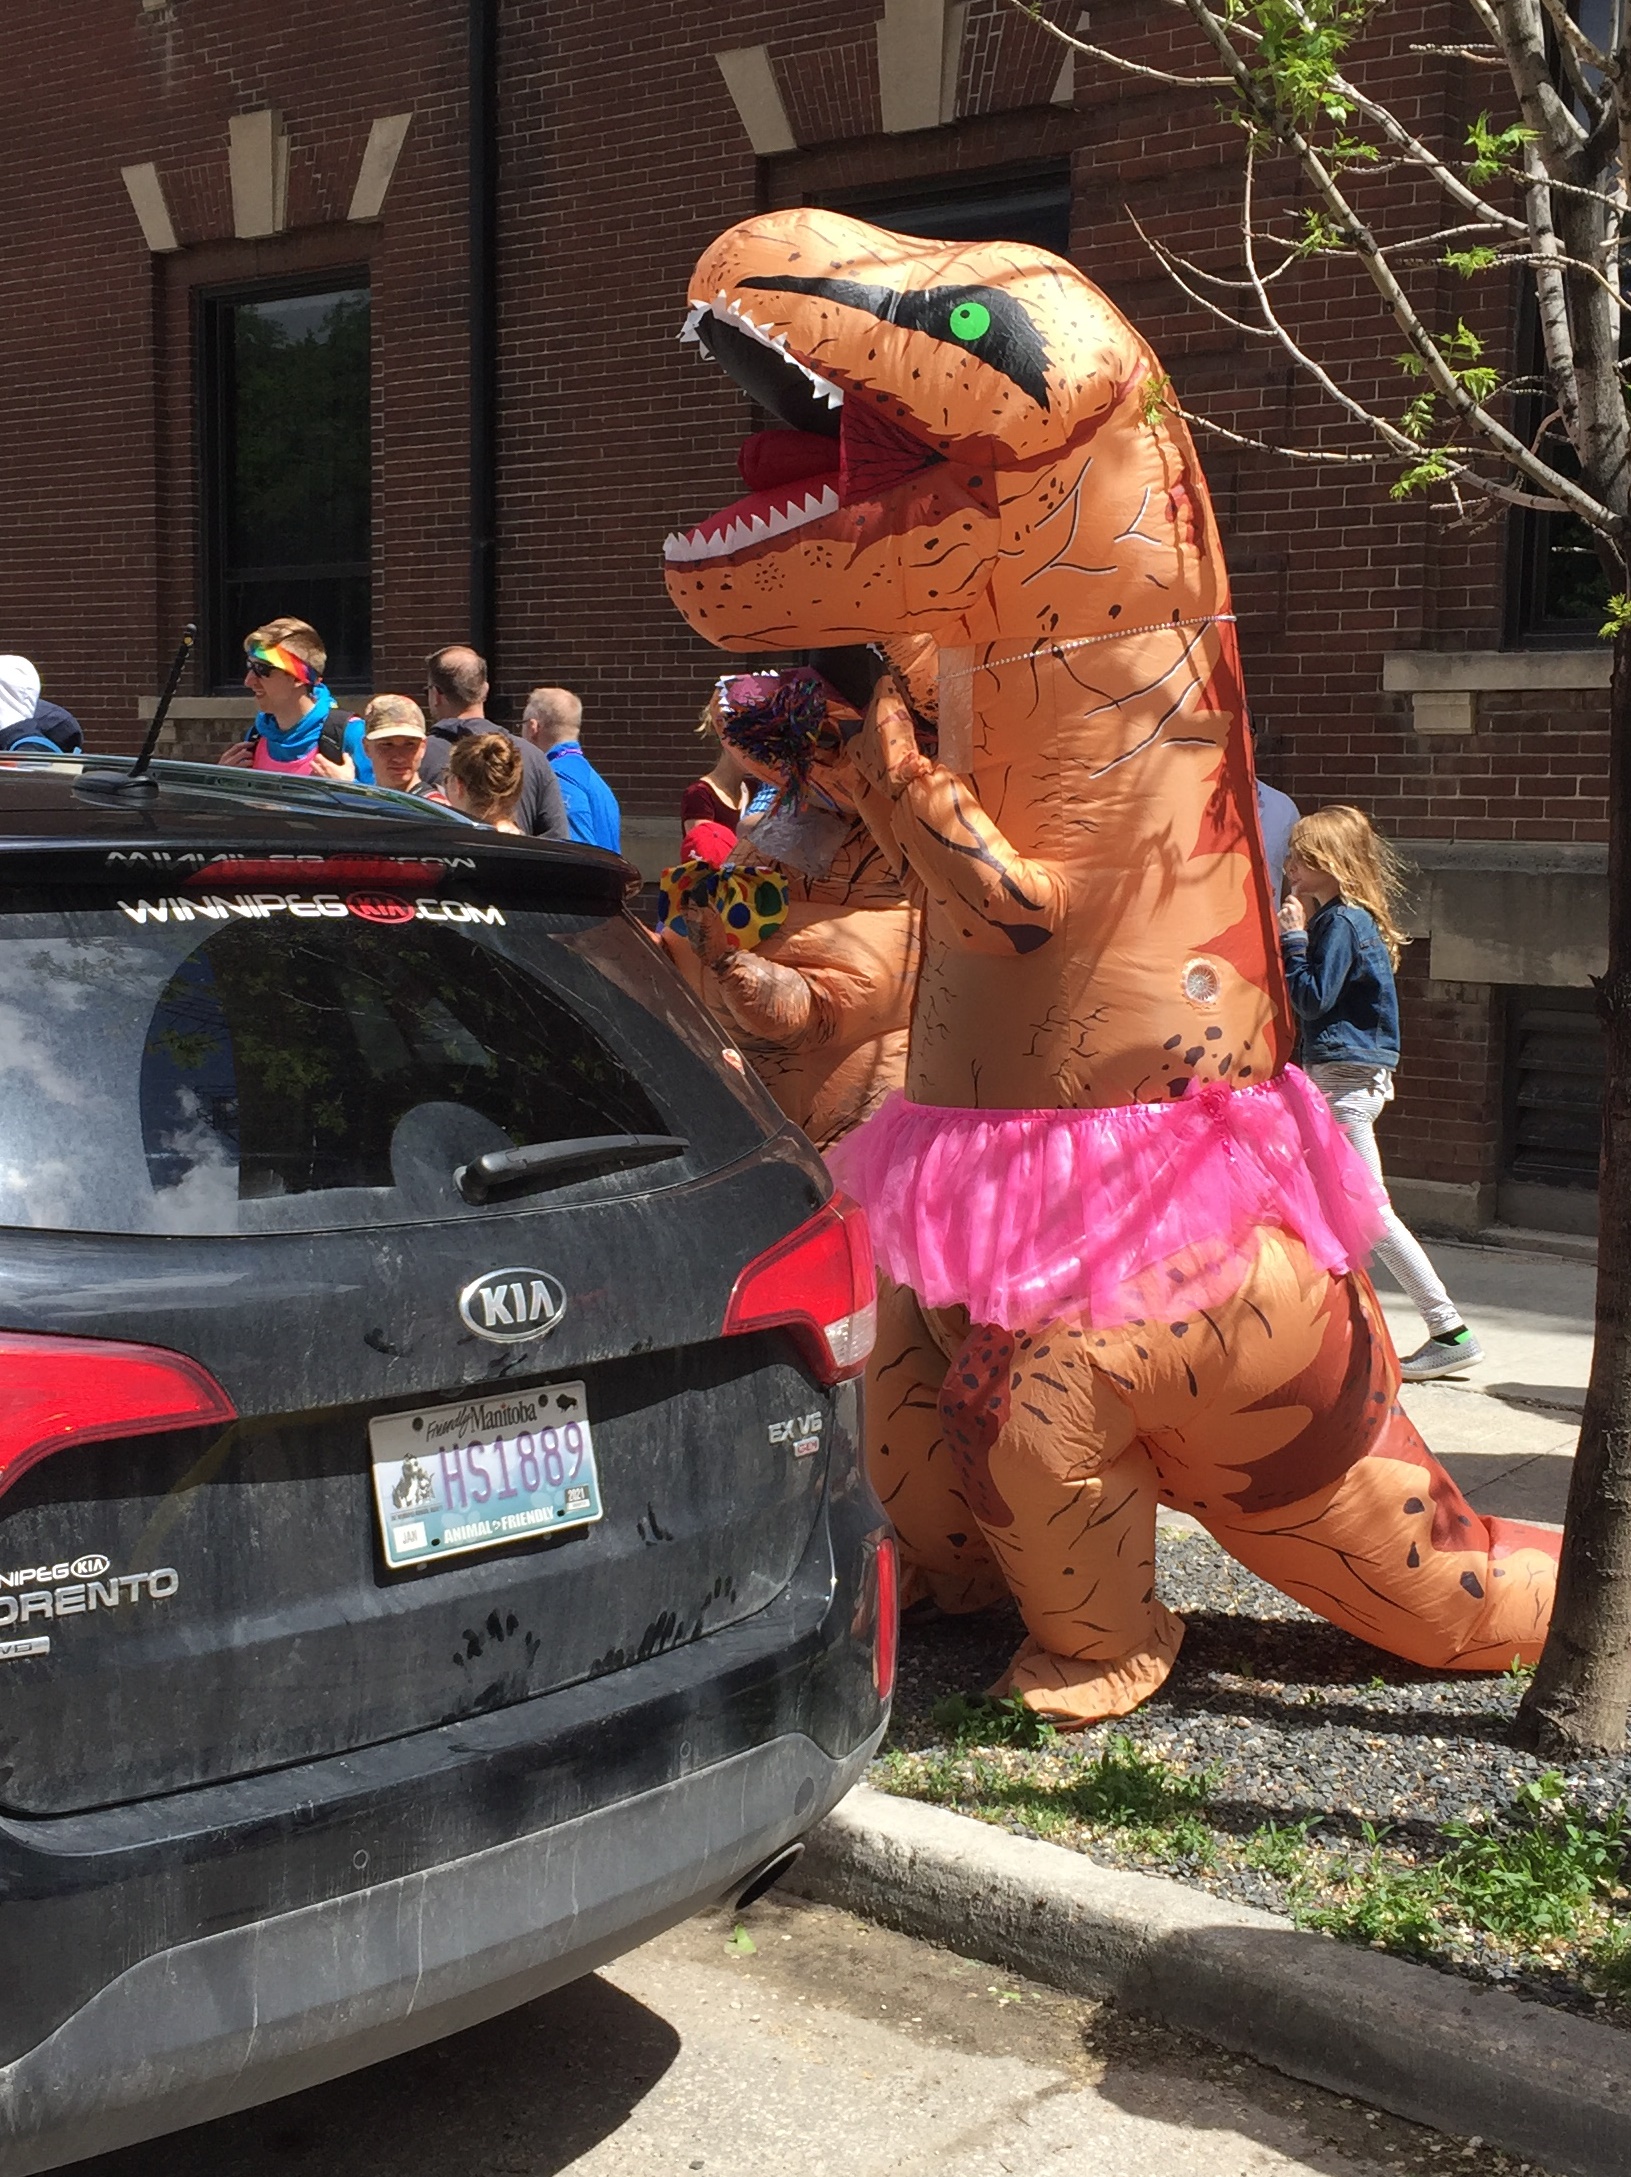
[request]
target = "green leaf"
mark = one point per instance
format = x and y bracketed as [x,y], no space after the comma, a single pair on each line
[1619,617]
[1469,261]
[740,1943]
[1492,148]
[1154,395]
[1431,469]
[1320,233]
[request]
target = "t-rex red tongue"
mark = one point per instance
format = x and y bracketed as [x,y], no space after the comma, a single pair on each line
[772,458]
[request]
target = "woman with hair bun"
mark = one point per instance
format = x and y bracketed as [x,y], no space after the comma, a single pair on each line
[483,779]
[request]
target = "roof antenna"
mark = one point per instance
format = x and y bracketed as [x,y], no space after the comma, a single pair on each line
[138,783]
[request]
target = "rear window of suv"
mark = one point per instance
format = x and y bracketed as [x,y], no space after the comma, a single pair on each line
[294,1063]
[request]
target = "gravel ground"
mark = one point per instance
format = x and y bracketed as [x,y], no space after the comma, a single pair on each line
[1288,1721]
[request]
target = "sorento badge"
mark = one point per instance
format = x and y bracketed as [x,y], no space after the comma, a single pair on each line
[511,1305]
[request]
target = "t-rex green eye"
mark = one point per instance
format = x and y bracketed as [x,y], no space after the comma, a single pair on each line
[970,321]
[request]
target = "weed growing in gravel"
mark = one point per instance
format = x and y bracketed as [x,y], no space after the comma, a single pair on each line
[1187,1842]
[1126,1788]
[1608,1962]
[1536,1875]
[1537,1871]
[982,1719]
[1152,1807]
[1279,1850]
[1380,1903]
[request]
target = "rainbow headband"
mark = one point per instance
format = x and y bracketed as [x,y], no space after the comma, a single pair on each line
[284,661]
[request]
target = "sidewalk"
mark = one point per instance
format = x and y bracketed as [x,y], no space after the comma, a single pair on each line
[1507,1428]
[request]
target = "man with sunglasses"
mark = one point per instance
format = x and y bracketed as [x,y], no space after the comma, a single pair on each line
[299,727]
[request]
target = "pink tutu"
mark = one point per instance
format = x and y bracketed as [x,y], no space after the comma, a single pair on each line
[1140,1211]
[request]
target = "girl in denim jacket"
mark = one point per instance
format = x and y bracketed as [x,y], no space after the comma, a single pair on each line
[1340,945]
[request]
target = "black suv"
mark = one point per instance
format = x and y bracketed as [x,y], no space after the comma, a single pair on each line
[434,1547]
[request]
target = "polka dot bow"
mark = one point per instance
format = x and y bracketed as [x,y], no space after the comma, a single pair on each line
[751,903]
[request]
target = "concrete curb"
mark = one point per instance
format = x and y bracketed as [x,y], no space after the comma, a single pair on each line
[1444,2052]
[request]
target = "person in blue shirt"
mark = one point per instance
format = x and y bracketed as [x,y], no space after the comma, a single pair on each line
[1339,944]
[553,720]
[1276,813]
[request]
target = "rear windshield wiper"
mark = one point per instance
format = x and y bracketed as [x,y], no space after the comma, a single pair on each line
[554,1163]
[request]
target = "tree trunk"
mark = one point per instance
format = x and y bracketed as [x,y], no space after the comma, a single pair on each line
[1581,1690]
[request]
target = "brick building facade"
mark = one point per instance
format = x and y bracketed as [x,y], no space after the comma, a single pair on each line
[517,193]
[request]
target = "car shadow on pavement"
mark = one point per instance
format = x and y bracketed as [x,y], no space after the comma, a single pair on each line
[530,2091]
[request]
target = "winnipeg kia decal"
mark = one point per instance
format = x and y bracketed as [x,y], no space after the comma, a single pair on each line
[375,907]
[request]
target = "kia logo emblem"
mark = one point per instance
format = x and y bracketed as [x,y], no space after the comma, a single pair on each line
[511,1305]
[380,906]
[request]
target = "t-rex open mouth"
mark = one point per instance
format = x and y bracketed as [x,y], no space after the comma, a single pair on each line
[827,455]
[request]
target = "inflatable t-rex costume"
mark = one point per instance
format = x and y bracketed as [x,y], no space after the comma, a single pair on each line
[1124,1236]
[818,1007]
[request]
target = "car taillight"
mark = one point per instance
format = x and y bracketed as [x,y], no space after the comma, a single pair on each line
[60,1391]
[820,1284]
[886,1642]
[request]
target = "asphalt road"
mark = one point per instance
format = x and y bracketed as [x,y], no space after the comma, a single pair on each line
[827,2049]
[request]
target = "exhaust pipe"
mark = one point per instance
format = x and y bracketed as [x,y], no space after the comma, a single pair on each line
[766,1876]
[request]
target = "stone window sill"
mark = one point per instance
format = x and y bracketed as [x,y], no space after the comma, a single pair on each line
[1444,685]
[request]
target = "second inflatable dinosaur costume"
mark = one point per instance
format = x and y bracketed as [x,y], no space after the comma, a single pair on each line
[1124,1239]
[818,1004]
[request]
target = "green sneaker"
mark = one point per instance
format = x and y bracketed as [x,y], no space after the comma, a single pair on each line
[1445,1356]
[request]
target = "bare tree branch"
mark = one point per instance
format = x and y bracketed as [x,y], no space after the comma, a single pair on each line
[1482,56]
[1117,60]
[1310,454]
[1434,364]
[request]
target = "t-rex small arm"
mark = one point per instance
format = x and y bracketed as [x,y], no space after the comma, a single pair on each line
[778,1004]
[936,823]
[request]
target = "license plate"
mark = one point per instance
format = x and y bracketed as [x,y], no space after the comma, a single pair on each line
[482,1472]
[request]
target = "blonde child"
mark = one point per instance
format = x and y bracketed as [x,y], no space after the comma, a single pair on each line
[1340,942]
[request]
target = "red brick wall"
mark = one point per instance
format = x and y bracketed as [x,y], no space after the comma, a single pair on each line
[98,562]
[620,156]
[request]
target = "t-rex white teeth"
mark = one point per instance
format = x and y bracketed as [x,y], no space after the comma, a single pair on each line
[683,547]
[733,311]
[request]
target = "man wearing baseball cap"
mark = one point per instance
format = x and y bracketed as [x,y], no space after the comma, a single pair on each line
[394,739]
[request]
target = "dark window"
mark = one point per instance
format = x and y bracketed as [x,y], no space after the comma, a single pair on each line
[272,1062]
[1557,589]
[1010,204]
[309,1056]
[1554,1077]
[288,471]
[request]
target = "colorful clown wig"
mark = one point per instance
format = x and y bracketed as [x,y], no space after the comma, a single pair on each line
[776,720]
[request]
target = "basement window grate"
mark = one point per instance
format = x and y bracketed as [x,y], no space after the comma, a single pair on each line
[1554,1088]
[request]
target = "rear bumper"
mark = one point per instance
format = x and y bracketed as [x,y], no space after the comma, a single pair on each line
[175,1959]
[214,2025]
